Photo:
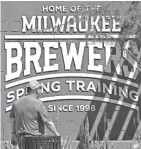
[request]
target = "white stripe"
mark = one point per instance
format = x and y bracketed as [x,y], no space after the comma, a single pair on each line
[8,37]
[130,113]
[114,79]
[80,97]
[8,108]
[106,99]
[54,98]
[128,82]
[62,75]
[125,125]
[120,102]
[129,116]
[132,73]
[117,109]
[133,106]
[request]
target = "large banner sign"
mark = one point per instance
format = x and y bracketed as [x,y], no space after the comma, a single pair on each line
[86,55]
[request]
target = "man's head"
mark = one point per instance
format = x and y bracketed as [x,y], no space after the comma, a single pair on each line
[34,87]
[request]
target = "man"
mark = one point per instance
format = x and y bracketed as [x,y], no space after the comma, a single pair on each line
[26,114]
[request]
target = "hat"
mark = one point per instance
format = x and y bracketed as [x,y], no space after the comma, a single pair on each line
[34,84]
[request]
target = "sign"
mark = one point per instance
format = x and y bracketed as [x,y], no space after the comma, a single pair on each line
[87,58]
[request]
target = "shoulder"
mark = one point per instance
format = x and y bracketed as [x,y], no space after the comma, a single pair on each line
[19,100]
[39,103]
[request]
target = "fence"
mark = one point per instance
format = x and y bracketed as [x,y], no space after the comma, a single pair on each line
[41,142]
